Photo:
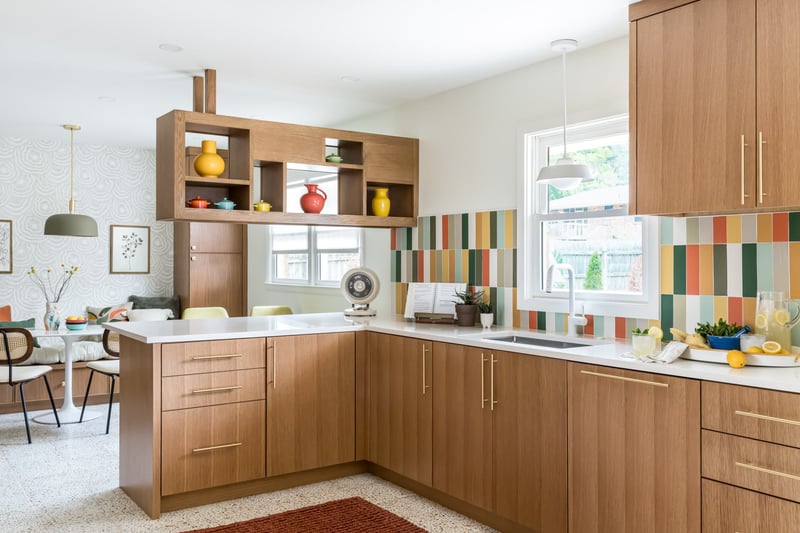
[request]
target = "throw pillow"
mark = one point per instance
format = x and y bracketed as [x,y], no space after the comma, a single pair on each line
[157,302]
[147,315]
[110,313]
[5,313]
[27,324]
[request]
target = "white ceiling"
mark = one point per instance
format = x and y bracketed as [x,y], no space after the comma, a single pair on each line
[97,63]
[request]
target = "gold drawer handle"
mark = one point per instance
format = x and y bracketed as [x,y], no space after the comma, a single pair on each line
[217,389]
[768,471]
[225,356]
[765,417]
[621,378]
[209,448]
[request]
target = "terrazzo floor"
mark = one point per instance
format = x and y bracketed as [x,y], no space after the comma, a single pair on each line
[68,481]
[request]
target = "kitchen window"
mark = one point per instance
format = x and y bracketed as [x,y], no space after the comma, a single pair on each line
[614,255]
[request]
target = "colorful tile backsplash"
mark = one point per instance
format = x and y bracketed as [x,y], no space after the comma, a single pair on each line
[711,267]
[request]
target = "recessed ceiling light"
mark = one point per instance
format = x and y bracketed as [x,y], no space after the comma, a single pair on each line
[169,47]
[350,79]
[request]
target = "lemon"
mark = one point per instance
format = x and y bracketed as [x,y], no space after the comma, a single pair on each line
[754,349]
[736,359]
[761,321]
[656,332]
[784,351]
[771,347]
[781,316]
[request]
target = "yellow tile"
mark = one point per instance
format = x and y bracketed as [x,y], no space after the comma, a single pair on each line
[515,313]
[667,270]
[765,227]
[720,308]
[794,269]
[749,311]
[734,228]
[509,227]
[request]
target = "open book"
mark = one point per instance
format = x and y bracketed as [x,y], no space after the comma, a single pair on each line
[432,298]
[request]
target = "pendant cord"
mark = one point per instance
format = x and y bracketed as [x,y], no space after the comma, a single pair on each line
[564,92]
[71,169]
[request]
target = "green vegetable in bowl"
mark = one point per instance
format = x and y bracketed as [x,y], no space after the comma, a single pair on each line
[720,329]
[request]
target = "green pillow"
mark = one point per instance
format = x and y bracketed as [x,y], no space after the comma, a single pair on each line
[28,324]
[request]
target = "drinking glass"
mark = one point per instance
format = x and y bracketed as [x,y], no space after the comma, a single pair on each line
[643,344]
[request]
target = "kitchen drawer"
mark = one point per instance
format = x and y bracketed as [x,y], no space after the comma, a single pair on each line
[728,509]
[215,388]
[750,412]
[212,446]
[211,356]
[752,464]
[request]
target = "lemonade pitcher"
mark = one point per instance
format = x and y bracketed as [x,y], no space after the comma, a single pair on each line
[775,317]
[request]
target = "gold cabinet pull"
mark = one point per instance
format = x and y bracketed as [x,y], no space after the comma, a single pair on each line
[274,364]
[425,386]
[757,468]
[219,447]
[761,143]
[217,389]
[483,381]
[742,146]
[223,356]
[622,378]
[765,417]
[491,390]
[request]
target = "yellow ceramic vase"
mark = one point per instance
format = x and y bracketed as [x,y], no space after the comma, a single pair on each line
[381,203]
[209,164]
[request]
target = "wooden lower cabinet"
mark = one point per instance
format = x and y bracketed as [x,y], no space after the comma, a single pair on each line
[400,405]
[499,438]
[728,509]
[310,402]
[634,451]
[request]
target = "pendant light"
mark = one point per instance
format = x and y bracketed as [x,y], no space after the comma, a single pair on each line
[565,174]
[71,224]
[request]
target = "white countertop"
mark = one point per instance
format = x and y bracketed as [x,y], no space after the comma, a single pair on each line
[606,352]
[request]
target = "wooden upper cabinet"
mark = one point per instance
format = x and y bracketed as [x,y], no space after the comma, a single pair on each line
[715,109]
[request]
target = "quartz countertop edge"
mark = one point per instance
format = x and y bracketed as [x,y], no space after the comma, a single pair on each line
[603,352]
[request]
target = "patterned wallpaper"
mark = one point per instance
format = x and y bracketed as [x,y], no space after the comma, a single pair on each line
[114,185]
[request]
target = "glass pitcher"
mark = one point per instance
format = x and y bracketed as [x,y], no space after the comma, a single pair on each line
[775,317]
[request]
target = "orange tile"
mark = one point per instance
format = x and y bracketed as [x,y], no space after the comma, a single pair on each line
[734,229]
[794,269]
[667,269]
[706,269]
[588,329]
[619,327]
[692,269]
[720,230]
[780,227]
[764,227]
[432,266]
[445,232]
[735,310]
[486,265]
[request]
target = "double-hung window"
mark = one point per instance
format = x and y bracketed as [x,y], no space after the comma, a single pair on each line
[614,256]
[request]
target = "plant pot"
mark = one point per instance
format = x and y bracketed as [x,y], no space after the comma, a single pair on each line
[466,314]
[487,319]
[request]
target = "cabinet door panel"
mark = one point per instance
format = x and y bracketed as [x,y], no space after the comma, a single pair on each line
[462,432]
[310,402]
[216,281]
[400,418]
[634,451]
[694,99]
[727,508]
[210,237]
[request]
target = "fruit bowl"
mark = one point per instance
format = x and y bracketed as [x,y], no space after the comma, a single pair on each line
[77,325]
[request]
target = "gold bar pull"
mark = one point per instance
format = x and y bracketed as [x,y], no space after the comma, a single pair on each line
[622,378]
[217,389]
[424,379]
[765,417]
[743,145]
[219,447]
[767,471]
[274,364]
[494,402]
[224,356]
[761,143]
[483,381]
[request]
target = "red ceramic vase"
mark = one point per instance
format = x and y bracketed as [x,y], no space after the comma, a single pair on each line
[314,200]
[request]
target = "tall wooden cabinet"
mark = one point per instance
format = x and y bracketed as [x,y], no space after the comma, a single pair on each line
[210,265]
[634,451]
[714,110]
[400,405]
[499,438]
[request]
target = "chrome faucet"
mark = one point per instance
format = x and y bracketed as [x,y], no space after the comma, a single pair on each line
[573,320]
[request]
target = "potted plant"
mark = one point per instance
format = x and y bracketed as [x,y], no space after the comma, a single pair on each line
[467,306]
[487,317]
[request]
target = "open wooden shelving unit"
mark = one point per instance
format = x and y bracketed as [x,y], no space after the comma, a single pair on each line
[259,154]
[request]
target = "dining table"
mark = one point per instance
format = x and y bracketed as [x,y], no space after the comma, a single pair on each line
[68,413]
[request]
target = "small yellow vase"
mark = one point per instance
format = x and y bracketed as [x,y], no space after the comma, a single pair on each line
[209,164]
[381,203]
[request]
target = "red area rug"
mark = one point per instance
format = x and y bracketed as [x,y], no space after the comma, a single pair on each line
[351,515]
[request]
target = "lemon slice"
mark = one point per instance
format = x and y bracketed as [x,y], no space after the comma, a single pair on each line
[781,316]
[761,321]
[754,349]
[656,332]
[771,347]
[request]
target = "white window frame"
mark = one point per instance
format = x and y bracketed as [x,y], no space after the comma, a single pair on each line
[530,293]
[314,260]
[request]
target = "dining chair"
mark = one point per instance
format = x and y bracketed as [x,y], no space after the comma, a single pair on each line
[17,347]
[107,367]
[265,310]
[204,312]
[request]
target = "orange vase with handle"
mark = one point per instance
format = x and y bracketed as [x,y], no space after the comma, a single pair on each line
[314,200]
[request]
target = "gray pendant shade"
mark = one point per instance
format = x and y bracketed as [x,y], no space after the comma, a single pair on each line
[71,224]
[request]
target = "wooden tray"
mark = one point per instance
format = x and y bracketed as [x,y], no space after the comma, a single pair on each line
[720,356]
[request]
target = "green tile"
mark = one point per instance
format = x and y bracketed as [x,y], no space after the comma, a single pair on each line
[666,230]
[493,229]
[706,311]
[764,259]
[749,270]
[693,230]
[599,326]
[458,278]
[396,266]
[794,226]
[432,233]
[679,269]
[414,264]
[409,239]
[465,231]
[514,267]
[472,268]
[720,269]
[541,320]
[666,315]
[438,257]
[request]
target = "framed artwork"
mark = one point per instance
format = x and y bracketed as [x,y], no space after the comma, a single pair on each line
[5,247]
[130,249]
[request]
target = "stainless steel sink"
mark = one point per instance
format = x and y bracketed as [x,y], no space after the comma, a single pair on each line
[536,341]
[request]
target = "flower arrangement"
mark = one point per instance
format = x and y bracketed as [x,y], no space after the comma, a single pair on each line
[53,285]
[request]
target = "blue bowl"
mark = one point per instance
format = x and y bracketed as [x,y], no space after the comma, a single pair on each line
[727,343]
[77,326]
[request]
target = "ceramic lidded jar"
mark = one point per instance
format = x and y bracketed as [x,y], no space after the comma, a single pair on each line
[314,200]
[209,164]
[381,203]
